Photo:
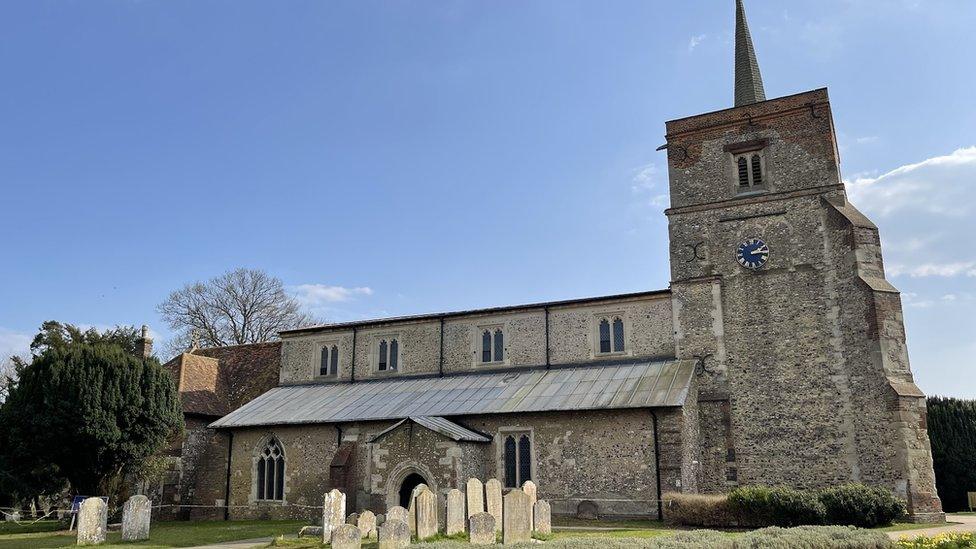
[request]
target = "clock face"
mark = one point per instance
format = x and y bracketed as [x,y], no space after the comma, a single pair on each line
[752,254]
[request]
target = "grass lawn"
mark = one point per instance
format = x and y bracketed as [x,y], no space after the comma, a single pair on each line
[163,534]
[902,526]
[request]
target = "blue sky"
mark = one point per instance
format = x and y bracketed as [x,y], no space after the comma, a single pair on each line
[413,156]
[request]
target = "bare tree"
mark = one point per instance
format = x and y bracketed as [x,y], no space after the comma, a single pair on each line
[240,306]
[8,375]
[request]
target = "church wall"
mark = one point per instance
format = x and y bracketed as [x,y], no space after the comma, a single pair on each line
[572,339]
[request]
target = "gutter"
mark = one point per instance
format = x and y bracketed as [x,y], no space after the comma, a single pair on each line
[440,360]
[230,451]
[657,467]
[548,364]
[353,378]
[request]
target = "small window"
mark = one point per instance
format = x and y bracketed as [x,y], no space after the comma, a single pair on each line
[518,459]
[750,171]
[605,336]
[329,361]
[394,354]
[492,345]
[611,335]
[618,335]
[324,361]
[334,361]
[381,365]
[271,472]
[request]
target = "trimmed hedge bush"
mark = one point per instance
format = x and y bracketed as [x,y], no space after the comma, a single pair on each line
[759,506]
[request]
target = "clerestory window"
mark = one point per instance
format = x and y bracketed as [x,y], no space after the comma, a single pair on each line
[329,360]
[492,345]
[611,335]
[388,355]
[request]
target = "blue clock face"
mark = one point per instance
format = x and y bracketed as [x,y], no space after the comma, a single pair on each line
[752,254]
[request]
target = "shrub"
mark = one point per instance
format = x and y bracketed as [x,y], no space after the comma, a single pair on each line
[762,506]
[814,536]
[946,540]
[860,505]
[698,510]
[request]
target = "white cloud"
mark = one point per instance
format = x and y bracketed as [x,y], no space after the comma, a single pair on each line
[13,343]
[922,270]
[647,183]
[319,295]
[695,41]
[867,139]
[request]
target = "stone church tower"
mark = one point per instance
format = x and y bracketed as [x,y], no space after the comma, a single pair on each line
[779,294]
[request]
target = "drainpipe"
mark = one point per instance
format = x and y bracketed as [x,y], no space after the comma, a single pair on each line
[353,378]
[230,451]
[440,361]
[547,337]
[657,467]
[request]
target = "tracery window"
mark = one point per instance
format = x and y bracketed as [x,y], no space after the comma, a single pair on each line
[329,361]
[517,455]
[271,472]
[388,355]
[611,335]
[492,345]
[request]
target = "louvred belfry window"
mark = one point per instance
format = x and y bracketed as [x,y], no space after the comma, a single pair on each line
[271,472]
[750,171]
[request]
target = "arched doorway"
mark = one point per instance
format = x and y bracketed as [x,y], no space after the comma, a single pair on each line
[406,488]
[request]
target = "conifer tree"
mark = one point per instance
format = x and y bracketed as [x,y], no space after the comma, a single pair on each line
[952,432]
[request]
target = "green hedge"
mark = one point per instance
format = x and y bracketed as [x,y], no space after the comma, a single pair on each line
[759,506]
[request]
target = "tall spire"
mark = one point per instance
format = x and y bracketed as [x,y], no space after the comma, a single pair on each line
[748,80]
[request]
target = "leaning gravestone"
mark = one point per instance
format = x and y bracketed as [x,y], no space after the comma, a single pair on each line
[542,517]
[412,507]
[396,513]
[394,534]
[92,521]
[367,525]
[476,496]
[333,513]
[482,527]
[493,497]
[426,515]
[455,512]
[346,536]
[135,518]
[353,519]
[310,532]
[517,526]
[532,491]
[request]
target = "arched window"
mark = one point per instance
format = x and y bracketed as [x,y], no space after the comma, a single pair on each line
[394,354]
[743,172]
[605,336]
[334,361]
[757,175]
[486,346]
[499,345]
[324,361]
[381,365]
[271,472]
[618,335]
[517,459]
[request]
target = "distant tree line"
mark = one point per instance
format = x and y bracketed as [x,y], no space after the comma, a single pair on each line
[952,432]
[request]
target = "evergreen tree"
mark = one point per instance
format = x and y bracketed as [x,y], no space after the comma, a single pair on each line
[87,410]
[952,432]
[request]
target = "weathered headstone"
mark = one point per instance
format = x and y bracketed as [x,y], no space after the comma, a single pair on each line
[135,518]
[367,525]
[532,491]
[455,512]
[482,527]
[353,519]
[394,534]
[412,507]
[395,513]
[542,517]
[426,515]
[333,513]
[475,492]
[346,536]
[92,521]
[380,519]
[517,519]
[310,532]
[493,498]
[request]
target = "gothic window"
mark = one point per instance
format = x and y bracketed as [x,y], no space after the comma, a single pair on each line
[611,335]
[492,345]
[383,356]
[750,170]
[394,354]
[388,355]
[517,459]
[271,472]
[329,361]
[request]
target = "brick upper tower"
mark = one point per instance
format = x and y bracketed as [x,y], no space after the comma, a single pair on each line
[779,293]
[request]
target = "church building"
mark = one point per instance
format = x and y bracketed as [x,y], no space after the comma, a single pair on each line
[776,356]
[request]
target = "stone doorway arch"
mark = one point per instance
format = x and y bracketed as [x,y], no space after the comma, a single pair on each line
[407,476]
[406,488]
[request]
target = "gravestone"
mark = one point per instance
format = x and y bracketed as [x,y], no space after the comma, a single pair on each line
[310,532]
[482,527]
[517,517]
[92,521]
[380,519]
[353,519]
[455,512]
[532,491]
[394,534]
[542,517]
[476,496]
[367,525]
[493,499]
[333,513]
[135,518]
[426,515]
[395,513]
[346,536]
[412,507]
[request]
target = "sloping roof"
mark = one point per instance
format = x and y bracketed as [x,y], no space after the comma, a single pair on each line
[440,425]
[632,384]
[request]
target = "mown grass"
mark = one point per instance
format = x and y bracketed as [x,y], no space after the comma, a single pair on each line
[162,536]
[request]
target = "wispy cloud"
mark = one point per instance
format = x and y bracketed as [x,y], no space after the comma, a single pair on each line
[944,270]
[316,296]
[695,41]
[867,139]
[647,183]
[13,343]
